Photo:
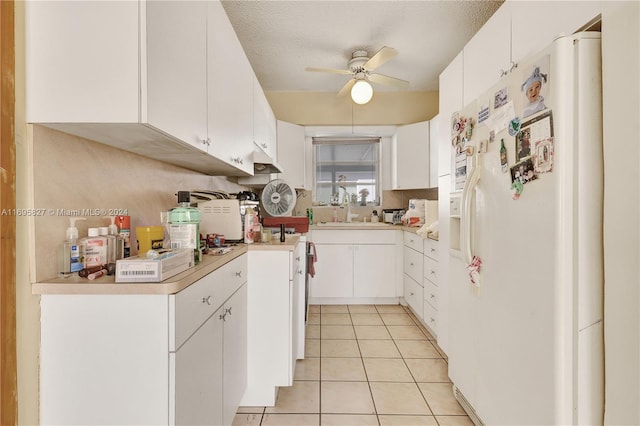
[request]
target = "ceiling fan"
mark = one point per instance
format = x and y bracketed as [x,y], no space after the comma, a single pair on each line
[362,68]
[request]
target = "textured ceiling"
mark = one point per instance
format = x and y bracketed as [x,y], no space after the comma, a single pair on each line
[281,38]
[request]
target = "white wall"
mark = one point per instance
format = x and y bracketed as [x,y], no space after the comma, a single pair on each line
[621,109]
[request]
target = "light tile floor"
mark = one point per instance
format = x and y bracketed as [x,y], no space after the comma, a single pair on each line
[364,365]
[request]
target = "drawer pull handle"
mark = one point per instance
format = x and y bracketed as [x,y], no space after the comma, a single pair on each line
[432,249]
[411,263]
[433,295]
[433,272]
[206,300]
[299,271]
[410,294]
[298,258]
[223,316]
[228,311]
[433,320]
[239,274]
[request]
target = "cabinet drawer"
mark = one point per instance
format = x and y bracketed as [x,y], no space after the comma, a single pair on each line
[431,293]
[193,305]
[413,240]
[431,248]
[413,261]
[431,270]
[351,236]
[431,318]
[413,295]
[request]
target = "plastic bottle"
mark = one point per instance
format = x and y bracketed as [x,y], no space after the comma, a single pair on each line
[249,217]
[94,248]
[124,230]
[70,256]
[115,243]
[335,215]
[184,225]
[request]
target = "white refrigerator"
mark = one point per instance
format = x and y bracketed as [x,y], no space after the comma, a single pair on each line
[526,257]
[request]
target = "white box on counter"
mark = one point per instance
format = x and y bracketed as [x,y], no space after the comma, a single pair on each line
[153,270]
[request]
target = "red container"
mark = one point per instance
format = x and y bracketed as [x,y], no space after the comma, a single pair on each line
[299,223]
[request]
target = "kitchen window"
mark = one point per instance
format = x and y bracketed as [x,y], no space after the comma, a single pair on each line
[346,170]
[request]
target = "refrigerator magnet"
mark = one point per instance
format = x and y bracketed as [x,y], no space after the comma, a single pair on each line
[523,171]
[523,143]
[534,87]
[543,156]
[514,126]
[482,146]
[500,98]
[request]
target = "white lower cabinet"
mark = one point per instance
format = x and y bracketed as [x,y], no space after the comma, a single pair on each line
[431,285]
[275,324]
[413,294]
[146,358]
[413,271]
[356,265]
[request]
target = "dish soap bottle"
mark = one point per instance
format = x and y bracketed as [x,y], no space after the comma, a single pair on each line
[184,226]
[70,260]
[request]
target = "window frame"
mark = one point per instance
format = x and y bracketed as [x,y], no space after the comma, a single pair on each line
[376,141]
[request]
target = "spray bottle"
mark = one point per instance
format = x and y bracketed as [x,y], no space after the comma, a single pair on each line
[70,260]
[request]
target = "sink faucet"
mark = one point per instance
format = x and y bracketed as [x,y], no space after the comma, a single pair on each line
[350,215]
[347,199]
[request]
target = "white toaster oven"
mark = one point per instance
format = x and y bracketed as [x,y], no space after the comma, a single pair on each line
[224,216]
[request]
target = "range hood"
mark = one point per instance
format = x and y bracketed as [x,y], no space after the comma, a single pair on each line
[263,163]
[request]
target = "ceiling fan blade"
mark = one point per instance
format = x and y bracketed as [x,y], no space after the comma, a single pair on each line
[388,81]
[381,57]
[347,87]
[331,70]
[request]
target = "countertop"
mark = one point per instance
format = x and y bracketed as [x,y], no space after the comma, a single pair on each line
[107,285]
[366,226]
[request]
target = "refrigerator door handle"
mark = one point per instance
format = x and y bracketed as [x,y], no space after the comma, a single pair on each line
[466,231]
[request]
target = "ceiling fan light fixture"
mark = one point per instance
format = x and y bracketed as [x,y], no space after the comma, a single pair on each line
[361,92]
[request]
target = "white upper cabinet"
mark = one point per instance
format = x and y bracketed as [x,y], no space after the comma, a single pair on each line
[292,154]
[451,84]
[230,92]
[82,62]
[177,76]
[410,157]
[487,55]
[546,20]
[166,80]
[434,143]
[264,121]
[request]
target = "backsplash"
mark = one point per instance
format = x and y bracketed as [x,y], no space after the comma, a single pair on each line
[72,173]
[398,199]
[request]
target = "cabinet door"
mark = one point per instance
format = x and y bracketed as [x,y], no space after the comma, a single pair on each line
[262,115]
[487,54]
[230,93]
[451,85]
[291,154]
[413,295]
[177,69]
[410,157]
[82,62]
[235,353]
[374,274]
[434,146]
[299,302]
[198,375]
[334,271]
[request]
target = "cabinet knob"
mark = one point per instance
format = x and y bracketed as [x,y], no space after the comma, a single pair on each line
[433,296]
[206,141]
[228,311]
[432,249]
[298,258]
[411,263]
[237,160]
[206,300]
[239,274]
[299,271]
[432,319]
[264,145]
[410,294]
[433,272]
[223,316]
